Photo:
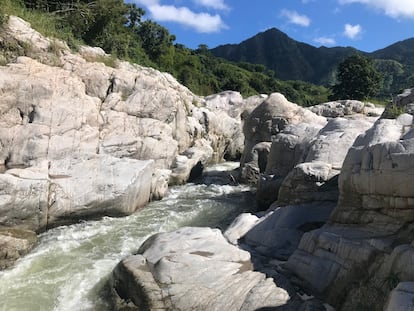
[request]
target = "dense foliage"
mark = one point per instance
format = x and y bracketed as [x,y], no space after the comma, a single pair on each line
[122,30]
[357,79]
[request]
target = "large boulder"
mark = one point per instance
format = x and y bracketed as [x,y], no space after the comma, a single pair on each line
[305,161]
[24,197]
[190,165]
[76,188]
[288,149]
[268,119]
[278,232]
[376,177]
[97,186]
[192,269]
[316,178]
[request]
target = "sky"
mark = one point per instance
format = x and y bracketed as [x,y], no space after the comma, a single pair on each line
[367,25]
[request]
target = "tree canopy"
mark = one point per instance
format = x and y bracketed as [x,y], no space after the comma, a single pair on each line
[357,79]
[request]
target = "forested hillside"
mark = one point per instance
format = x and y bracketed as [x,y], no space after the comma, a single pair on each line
[293,60]
[123,31]
[290,59]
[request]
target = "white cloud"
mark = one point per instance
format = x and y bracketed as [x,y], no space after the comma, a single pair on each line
[214,4]
[393,8]
[352,31]
[325,41]
[201,22]
[295,18]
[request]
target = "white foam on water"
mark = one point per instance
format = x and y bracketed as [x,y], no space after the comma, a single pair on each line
[75,294]
[70,264]
[224,166]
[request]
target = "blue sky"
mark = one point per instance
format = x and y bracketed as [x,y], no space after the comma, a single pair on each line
[367,25]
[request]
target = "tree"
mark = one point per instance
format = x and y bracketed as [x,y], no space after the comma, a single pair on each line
[134,15]
[155,40]
[357,79]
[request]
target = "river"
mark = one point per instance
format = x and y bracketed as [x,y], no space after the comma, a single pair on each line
[69,266]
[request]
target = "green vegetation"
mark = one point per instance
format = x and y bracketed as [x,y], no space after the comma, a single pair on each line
[288,58]
[357,79]
[120,30]
[268,62]
[293,60]
[393,111]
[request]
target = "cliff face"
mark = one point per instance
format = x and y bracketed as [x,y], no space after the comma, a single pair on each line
[365,250]
[354,247]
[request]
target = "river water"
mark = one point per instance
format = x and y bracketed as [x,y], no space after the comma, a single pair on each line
[70,265]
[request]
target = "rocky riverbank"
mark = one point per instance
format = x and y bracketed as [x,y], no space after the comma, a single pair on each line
[83,136]
[339,225]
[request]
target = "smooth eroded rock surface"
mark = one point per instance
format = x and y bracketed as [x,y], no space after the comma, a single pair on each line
[80,139]
[367,236]
[193,269]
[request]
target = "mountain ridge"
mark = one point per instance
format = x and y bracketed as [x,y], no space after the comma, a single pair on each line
[295,60]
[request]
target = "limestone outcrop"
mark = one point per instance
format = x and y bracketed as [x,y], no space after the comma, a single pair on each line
[80,139]
[264,122]
[305,160]
[315,179]
[84,135]
[288,149]
[363,249]
[346,108]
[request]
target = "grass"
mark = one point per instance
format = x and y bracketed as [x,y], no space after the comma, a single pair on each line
[378,102]
[393,111]
[47,24]
[110,61]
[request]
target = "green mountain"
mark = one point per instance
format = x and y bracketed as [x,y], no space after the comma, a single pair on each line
[402,52]
[290,59]
[294,60]
[396,62]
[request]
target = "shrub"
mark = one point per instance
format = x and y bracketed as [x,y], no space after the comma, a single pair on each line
[392,111]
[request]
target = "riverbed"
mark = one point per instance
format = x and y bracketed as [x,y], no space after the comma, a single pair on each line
[69,266]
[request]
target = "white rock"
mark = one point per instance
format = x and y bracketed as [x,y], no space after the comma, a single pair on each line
[240,226]
[24,201]
[401,298]
[278,233]
[97,185]
[199,261]
[268,119]
[81,112]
